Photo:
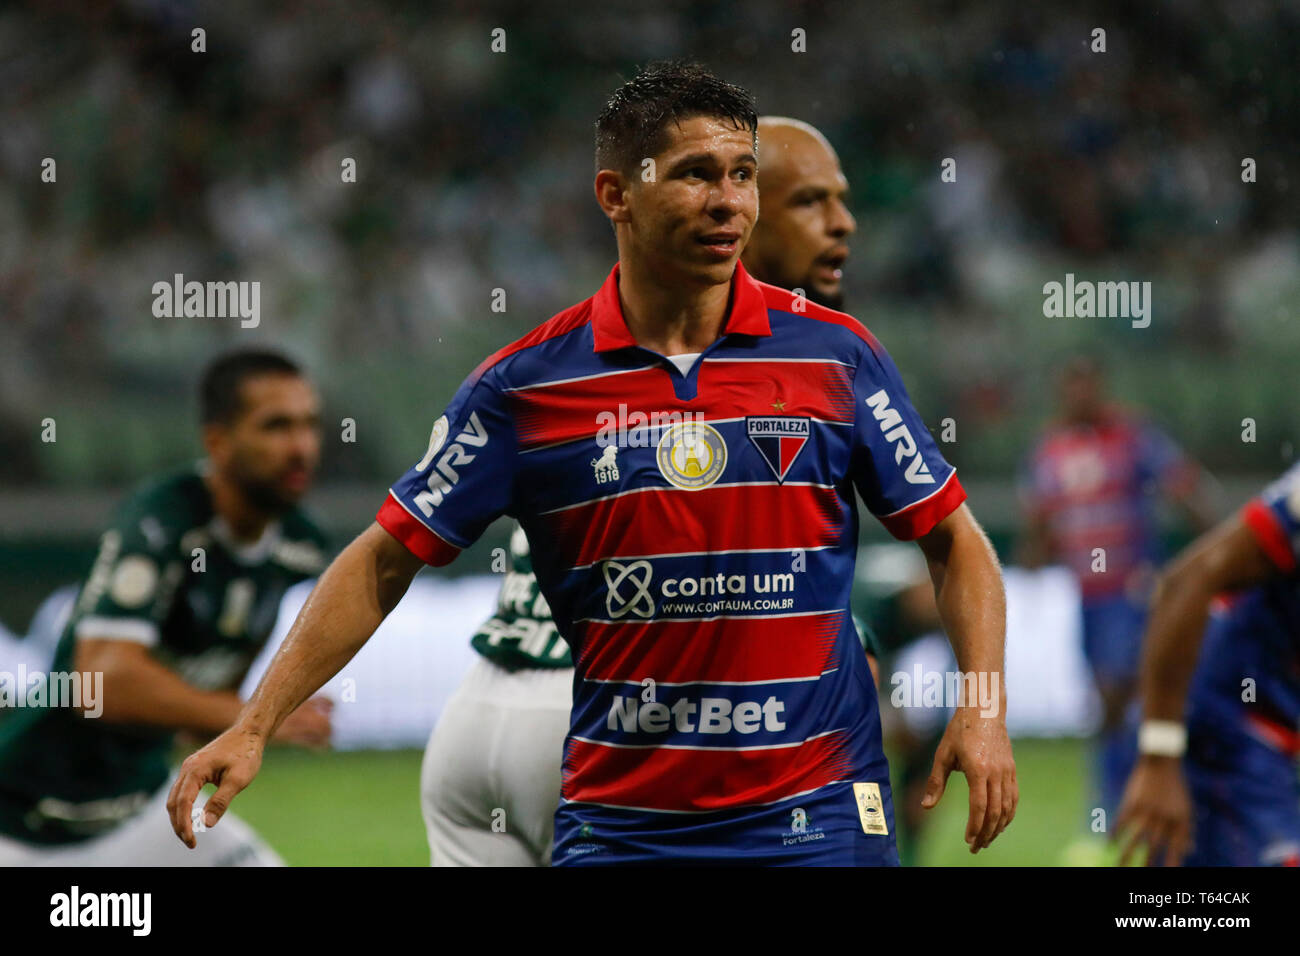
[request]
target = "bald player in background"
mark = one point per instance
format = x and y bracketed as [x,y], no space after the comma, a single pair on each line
[801,238]
[490,780]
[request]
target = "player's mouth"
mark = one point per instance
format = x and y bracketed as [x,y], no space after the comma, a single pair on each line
[296,479]
[722,245]
[829,267]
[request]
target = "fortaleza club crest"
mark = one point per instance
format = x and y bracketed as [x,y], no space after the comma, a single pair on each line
[779,439]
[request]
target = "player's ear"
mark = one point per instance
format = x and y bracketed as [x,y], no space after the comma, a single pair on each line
[612,194]
[215,436]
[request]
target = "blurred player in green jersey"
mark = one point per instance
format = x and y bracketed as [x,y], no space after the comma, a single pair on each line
[490,781]
[181,598]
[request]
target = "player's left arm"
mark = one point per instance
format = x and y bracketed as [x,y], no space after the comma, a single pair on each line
[972,606]
[906,482]
[1181,478]
[1246,550]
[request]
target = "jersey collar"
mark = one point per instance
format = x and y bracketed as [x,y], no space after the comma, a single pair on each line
[609,329]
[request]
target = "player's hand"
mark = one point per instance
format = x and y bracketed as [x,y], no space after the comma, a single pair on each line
[309,725]
[1156,811]
[979,747]
[231,762]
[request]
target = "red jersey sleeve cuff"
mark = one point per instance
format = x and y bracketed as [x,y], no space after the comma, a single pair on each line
[919,518]
[1269,534]
[422,542]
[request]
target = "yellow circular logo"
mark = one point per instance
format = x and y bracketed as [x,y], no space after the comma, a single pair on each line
[692,455]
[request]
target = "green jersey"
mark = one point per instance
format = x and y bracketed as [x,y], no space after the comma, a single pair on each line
[521,634]
[169,575]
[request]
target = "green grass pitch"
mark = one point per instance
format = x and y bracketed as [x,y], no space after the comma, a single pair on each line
[362,808]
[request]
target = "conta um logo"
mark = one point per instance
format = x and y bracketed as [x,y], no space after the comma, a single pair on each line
[637,576]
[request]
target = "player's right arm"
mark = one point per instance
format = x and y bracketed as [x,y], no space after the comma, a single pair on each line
[139,690]
[1244,551]
[464,482]
[120,621]
[1035,547]
[351,599]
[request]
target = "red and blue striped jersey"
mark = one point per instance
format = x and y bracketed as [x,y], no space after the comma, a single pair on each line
[1248,677]
[1096,486]
[694,535]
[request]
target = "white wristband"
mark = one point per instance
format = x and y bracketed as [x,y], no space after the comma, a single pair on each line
[1162,738]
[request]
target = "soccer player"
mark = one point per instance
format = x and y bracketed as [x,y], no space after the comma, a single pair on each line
[700,564]
[490,779]
[1089,489]
[181,598]
[801,239]
[1216,782]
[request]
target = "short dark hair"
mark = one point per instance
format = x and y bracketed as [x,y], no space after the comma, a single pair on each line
[1089,363]
[634,121]
[220,401]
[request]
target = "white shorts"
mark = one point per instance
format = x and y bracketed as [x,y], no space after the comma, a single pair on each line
[146,839]
[490,782]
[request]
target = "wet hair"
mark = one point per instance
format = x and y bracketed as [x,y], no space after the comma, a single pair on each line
[634,123]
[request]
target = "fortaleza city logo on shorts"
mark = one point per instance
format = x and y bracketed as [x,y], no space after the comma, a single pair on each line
[75,908]
[779,439]
[74,689]
[208,300]
[801,829]
[692,455]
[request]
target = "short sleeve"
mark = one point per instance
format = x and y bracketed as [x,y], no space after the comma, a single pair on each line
[896,466]
[1033,487]
[1274,519]
[465,480]
[132,584]
[1163,462]
[867,637]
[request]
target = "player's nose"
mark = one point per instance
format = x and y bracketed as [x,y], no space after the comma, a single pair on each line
[728,198]
[841,223]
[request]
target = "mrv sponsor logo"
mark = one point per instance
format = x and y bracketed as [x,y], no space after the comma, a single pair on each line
[708,715]
[443,476]
[905,448]
[132,910]
[629,587]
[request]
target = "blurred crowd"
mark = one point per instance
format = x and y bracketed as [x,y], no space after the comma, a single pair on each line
[474,173]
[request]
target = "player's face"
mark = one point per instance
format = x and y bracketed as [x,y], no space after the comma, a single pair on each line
[694,218]
[801,240]
[272,449]
[1082,393]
